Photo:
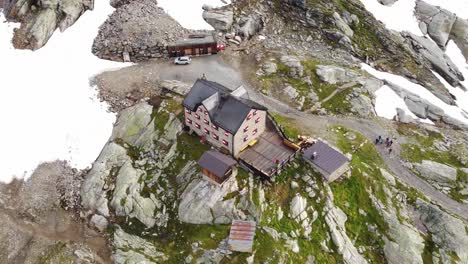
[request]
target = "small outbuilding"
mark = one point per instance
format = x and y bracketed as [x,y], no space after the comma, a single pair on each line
[217,167]
[193,45]
[242,236]
[330,162]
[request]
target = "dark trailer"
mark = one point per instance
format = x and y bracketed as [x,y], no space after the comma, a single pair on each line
[193,45]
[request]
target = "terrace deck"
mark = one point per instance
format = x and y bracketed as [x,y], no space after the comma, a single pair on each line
[269,152]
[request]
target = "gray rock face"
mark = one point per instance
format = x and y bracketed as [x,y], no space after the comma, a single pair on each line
[249,26]
[37,27]
[334,74]
[219,19]
[202,203]
[342,25]
[440,62]
[448,232]
[460,35]
[100,222]
[438,172]
[438,21]
[132,249]
[296,70]
[336,219]
[135,127]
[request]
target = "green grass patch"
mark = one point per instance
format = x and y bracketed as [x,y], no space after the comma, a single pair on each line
[339,104]
[287,124]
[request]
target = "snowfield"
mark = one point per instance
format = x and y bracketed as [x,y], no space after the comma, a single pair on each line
[400,17]
[48,110]
[189,12]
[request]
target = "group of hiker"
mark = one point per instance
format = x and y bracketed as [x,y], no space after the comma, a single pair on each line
[388,143]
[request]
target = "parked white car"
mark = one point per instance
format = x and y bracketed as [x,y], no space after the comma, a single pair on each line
[183,60]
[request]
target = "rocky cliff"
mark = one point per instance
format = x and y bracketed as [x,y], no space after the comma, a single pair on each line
[39,19]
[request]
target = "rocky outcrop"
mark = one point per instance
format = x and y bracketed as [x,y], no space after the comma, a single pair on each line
[336,219]
[39,19]
[122,166]
[249,26]
[448,232]
[334,74]
[425,109]
[342,25]
[434,171]
[202,203]
[438,60]
[442,25]
[459,34]
[435,21]
[295,68]
[139,30]
[219,19]
[133,249]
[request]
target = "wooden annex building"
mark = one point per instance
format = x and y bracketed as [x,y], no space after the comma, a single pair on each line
[217,167]
[193,45]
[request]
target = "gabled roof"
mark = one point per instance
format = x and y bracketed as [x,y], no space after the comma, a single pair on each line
[328,159]
[216,162]
[230,111]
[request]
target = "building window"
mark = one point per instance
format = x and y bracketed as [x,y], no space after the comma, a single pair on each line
[257,120]
[214,127]
[188,111]
[189,121]
[215,136]
[197,116]
[246,138]
[254,132]
[226,133]
[206,131]
[197,125]
[200,109]
[249,117]
[206,112]
[255,112]
[225,143]
[246,129]
[206,121]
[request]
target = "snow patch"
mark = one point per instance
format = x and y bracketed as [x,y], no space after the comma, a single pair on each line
[387,102]
[49,111]
[399,16]
[189,13]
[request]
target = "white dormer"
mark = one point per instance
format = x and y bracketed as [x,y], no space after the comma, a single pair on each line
[240,92]
[211,102]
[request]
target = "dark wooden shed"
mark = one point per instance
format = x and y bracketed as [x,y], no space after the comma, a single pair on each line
[193,45]
[217,167]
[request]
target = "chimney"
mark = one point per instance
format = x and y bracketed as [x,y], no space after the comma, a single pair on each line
[314,155]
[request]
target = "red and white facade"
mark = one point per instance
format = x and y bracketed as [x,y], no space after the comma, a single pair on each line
[252,127]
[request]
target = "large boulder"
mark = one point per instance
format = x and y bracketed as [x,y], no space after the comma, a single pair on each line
[249,26]
[219,19]
[133,249]
[342,25]
[202,202]
[333,74]
[295,68]
[437,172]
[436,20]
